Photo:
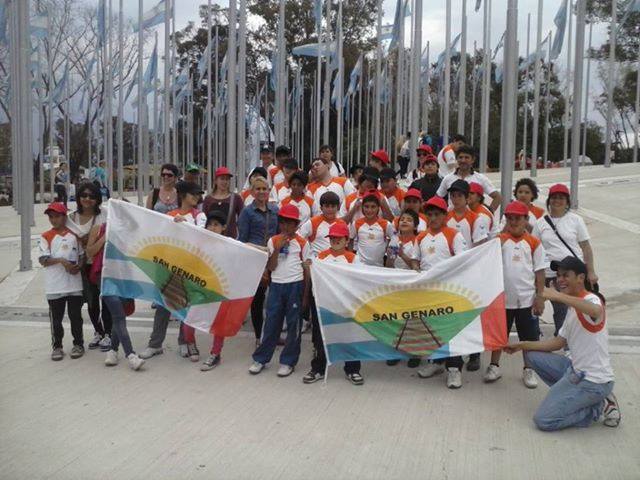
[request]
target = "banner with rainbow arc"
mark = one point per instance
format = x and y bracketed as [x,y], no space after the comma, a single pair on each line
[206,280]
[373,313]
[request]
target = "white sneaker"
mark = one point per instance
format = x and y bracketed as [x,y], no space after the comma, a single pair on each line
[454,378]
[430,370]
[285,370]
[256,368]
[105,343]
[529,378]
[95,342]
[611,411]
[111,359]
[150,352]
[492,374]
[135,362]
[183,350]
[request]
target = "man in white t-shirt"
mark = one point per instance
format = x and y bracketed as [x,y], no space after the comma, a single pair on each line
[581,386]
[447,156]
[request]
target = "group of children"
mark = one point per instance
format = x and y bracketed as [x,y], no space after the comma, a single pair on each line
[368,220]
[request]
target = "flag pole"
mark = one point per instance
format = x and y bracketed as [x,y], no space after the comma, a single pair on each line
[41,130]
[462,85]
[140,95]
[636,126]
[525,106]
[416,50]
[107,115]
[473,97]
[231,89]
[318,92]
[565,144]
[399,80]
[577,101]
[327,77]
[427,92]
[378,87]
[610,84]
[586,96]
[167,87]
[361,79]
[340,89]
[120,126]
[536,95]
[51,125]
[547,103]
[447,76]
[486,88]
[209,164]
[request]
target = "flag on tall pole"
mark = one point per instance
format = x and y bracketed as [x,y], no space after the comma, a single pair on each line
[152,17]
[536,93]
[577,96]
[560,20]
[462,84]
[447,76]
[610,87]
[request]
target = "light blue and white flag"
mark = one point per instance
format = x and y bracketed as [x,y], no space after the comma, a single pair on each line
[561,23]
[56,94]
[203,64]
[441,57]
[317,13]
[151,71]
[499,46]
[153,17]
[311,50]
[355,74]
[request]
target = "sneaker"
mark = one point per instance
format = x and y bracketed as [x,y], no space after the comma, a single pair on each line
[194,354]
[492,374]
[183,350]
[391,363]
[256,368]
[57,354]
[210,363]
[150,352]
[413,363]
[474,362]
[111,359]
[454,378]
[77,351]
[355,378]
[285,370]
[105,343]
[529,378]
[135,362]
[95,342]
[312,377]
[430,370]
[611,411]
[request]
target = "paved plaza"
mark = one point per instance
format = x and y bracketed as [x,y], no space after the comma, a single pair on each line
[77,419]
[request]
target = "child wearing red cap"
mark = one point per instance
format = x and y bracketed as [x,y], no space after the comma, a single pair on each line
[61,255]
[288,264]
[371,234]
[353,202]
[462,219]
[379,159]
[485,220]
[523,262]
[337,253]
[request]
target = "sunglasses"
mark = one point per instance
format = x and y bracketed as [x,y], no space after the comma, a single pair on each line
[421,154]
[167,175]
[88,195]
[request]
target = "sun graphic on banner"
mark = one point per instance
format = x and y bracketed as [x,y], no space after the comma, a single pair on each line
[183,260]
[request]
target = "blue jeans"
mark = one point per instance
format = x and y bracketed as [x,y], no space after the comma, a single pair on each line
[572,401]
[284,302]
[119,332]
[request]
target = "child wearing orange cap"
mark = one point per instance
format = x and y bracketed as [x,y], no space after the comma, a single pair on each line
[523,262]
[371,234]
[337,253]
[288,264]
[61,255]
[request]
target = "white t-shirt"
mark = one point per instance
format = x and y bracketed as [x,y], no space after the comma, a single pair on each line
[289,268]
[63,244]
[370,239]
[199,219]
[341,186]
[315,230]
[330,256]
[83,229]
[521,259]
[467,224]
[446,161]
[476,177]
[571,228]
[433,249]
[336,169]
[588,342]
[408,247]
[304,206]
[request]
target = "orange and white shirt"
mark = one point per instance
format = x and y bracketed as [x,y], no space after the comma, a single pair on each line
[349,204]
[370,239]
[279,192]
[536,210]
[423,221]
[331,256]
[433,248]
[315,230]
[60,244]
[467,224]
[486,220]
[247,197]
[194,217]
[276,175]
[304,205]
[341,186]
[290,259]
[406,245]
[521,258]
[395,200]
[446,160]
[588,341]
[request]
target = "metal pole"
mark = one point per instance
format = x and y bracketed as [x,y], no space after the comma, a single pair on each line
[41,131]
[462,85]
[378,91]
[108,117]
[473,98]
[360,113]
[610,84]
[447,77]
[340,85]
[120,126]
[486,88]
[565,145]
[427,92]
[318,93]
[525,106]
[327,79]
[635,127]
[51,124]
[547,103]
[209,167]
[509,102]
[536,96]
[577,103]
[231,88]
[586,96]
[140,103]
[241,156]
[399,81]
[415,94]
[167,85]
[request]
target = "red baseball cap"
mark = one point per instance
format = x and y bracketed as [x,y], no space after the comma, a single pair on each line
[289,211]
[437,202]
[516,208]
[370,193]
[381,155]
[559,188]
[338,229]
[223,171]
[431,158]
[425,148]
[476,188]
[56,207]
[413,192]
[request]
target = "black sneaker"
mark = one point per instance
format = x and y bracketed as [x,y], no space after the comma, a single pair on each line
[57,354]
[474,362]
[77,351]
[413,363]
[210,363]
[355,378]
[391,363]
[312,377]
[95,342]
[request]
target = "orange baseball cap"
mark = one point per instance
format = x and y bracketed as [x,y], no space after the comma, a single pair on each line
[516,208]
[289,211]
[381,155]
[437,202]
[338,229]
[56,207]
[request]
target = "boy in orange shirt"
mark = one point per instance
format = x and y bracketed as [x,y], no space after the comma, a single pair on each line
[463,219]
[336,253]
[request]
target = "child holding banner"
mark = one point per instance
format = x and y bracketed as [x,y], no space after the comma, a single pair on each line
[288,253]
[371,234]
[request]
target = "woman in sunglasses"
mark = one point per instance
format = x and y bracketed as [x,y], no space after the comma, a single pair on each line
[80,222]
[165,198]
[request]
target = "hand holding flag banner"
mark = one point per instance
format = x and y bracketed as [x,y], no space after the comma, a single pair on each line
[371,313]
[190,271]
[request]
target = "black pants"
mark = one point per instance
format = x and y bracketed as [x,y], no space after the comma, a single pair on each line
[57,307]
[61,193]
[527,326]
[91,294]
[257,310]
[319,360]
[451,362]
[404,165]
